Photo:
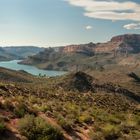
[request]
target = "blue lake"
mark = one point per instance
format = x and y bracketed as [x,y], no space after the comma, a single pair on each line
[30,69]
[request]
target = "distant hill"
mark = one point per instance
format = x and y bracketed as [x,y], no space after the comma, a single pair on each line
[18,52]
[5,55]
[23,51]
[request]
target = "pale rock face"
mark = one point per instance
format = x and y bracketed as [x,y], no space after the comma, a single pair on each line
[77,48]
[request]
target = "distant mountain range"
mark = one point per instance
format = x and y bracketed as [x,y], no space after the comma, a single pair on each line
[120,50]
[18,52]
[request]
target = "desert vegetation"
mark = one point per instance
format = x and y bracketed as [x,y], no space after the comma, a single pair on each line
[65,108]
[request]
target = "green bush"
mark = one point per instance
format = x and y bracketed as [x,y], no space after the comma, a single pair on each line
[85,118]
[35,128]
[65,124]
[20,110]
[111,132]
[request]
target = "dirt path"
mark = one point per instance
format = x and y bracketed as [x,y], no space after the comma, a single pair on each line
[54,123]
[13,133]
[75,135]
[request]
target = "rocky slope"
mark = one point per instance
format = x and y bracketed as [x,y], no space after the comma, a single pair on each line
[83,82]
[73,106]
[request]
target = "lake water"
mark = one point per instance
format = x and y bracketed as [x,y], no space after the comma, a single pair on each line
[30,69]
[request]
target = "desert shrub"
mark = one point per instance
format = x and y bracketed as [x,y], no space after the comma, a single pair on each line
[20,110]
[111,132]
[34,128]
[100,115]
[85,118]
[33,99]
[65,123]
[42,107]
[72,108]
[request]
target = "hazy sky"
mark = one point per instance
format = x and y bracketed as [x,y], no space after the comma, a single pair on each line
[59,22]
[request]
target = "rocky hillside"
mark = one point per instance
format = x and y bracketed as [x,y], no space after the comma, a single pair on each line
[83,82]
[73,106]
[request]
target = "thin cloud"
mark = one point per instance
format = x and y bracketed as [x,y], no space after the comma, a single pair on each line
[132,26]
[109,10]
[88,27]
